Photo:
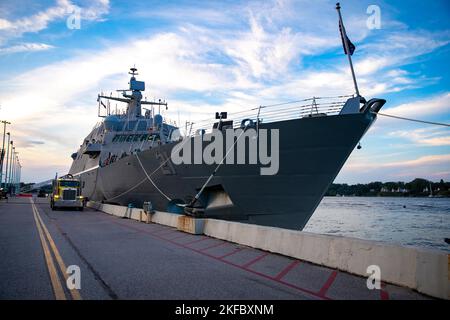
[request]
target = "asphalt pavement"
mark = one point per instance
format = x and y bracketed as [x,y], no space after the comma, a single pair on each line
[125,259]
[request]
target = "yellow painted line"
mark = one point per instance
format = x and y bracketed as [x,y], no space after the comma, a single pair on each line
[56,284]
[62,266]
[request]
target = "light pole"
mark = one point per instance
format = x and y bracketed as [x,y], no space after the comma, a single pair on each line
[13,167]
[16,173]
[13,149]
[7,161]
[19,172]
[2,154]
[13,175]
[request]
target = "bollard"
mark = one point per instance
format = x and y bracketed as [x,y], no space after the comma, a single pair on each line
[148,209]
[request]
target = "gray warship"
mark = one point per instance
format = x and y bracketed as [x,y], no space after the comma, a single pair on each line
[133,157]
[126,158]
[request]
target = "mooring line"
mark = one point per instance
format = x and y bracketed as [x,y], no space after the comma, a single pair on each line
[414,120]
[150,179]
[197,196]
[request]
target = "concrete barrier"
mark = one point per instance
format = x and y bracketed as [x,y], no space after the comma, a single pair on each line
[158,217]
[191,225]
[427,271]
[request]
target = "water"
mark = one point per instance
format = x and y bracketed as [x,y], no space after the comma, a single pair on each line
[420,222]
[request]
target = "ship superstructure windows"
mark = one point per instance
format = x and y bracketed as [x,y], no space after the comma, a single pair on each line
[154,136]
[142,126]
[136,137]
[131,125]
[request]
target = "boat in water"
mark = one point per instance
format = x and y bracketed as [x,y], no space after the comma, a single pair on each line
[269,165]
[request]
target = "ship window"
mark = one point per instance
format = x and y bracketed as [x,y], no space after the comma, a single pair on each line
[142,125]
[131,125]
[136,137]
[116,138]
[129,138]
[144,137]
[122,137]
[154,136]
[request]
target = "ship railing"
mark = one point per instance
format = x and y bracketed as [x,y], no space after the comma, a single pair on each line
[311,107]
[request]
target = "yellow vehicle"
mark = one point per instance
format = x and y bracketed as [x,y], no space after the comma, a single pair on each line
[66,193]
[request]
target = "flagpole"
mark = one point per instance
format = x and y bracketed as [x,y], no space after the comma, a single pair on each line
[347,49]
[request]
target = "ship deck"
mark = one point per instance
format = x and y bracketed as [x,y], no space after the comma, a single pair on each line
[125,259]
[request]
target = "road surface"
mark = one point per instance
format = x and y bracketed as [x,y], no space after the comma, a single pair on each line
[125,259]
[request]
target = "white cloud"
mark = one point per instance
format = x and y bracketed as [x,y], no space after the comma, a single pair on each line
[433,136]
[26,47]
[420,161]
[259,64]
[40,21]
[432,167]
[425,107]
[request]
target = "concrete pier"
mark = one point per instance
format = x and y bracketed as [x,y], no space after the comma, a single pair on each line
[424,270]
[148,257]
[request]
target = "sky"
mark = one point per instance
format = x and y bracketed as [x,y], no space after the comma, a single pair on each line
[208,56]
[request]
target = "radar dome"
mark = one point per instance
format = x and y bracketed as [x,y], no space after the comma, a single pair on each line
[112,123]
[158,119]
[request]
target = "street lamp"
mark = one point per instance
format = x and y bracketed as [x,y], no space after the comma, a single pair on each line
[19,169]
[7,160]
[16,166]
[13,149]
[2,154]
[13,167]
[12,179]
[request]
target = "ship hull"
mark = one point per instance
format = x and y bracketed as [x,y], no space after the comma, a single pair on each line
[312,151]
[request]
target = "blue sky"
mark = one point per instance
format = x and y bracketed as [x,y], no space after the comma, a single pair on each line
[205,56]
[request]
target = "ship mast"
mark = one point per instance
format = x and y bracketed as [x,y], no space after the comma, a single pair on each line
[134,98]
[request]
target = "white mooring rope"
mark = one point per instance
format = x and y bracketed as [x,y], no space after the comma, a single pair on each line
[150,179]
[409,119]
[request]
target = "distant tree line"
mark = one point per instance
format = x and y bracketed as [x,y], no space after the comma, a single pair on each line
[416,188]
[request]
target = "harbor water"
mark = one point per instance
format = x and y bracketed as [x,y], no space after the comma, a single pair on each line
[420,222]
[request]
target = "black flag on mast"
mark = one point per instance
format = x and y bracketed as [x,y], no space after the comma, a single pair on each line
[351,46]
